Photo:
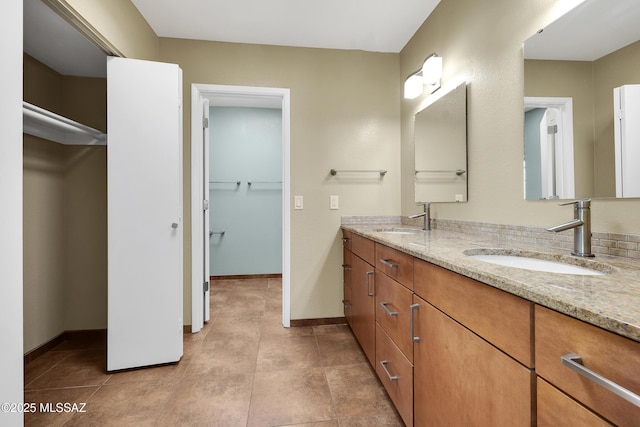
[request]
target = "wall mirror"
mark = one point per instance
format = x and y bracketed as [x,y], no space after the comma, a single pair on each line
[574,143]
[440,135]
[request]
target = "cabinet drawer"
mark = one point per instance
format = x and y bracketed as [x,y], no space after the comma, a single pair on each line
[556,409]
[607,354]
[395,264]
[346,239]
[395,319]
[499,317]
[396,374]
[364,248]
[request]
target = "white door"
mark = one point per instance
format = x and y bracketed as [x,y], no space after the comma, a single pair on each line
[199,211]
[627,140]
[144,170]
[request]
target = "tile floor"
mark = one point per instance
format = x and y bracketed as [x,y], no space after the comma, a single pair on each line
[242,369]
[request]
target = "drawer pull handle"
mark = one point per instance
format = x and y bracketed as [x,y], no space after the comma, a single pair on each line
[412,323]
[388,263]
[574,362]
[389,312]
[346,266]
[346,239]
[369,293]
[383,363]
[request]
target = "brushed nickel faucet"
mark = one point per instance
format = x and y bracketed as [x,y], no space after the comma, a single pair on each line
[426,214]
[581,225]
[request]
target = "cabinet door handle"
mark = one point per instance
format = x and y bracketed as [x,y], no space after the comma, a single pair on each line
[346,266]
[369,293]
[346,239]
[383,363]
[574,362]
[388,263]
[389,312]
[412,323]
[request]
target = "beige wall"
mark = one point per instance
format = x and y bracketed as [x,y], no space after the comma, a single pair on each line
[43,242]
[481,41]
[346,112]
[65,262]
[344,115]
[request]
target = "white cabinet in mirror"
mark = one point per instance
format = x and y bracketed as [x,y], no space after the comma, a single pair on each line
[571,69]
[440,136]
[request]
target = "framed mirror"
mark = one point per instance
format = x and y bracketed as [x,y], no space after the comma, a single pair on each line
[440,135]
[574,145]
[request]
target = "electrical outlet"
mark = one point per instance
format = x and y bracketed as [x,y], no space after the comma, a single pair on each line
[333,202]
[297,202]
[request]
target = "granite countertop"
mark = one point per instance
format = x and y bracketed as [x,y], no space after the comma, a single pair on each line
[610,301]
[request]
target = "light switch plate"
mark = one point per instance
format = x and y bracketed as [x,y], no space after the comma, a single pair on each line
[333,203]
[297,202]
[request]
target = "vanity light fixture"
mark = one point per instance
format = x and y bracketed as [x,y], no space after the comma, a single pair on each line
[429,75]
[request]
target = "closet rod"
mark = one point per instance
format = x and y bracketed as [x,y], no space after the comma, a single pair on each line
[48,125]
[382,172]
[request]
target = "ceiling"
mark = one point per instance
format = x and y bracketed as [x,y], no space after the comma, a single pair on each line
[370,25]
[52,41]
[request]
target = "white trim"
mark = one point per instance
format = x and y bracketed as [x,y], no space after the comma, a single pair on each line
[11,186]
[197,251]
[250,95]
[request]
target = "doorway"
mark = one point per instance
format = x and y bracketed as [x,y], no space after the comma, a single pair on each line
[245,191]
[230,96]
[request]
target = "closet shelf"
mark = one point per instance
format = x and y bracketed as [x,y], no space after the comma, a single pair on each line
[54,127]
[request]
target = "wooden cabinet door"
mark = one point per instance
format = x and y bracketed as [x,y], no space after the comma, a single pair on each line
[362,305]
[462,380]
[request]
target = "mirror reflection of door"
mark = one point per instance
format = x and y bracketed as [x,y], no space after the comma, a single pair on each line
[548,149]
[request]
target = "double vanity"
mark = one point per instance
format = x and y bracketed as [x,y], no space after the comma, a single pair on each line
[464,331]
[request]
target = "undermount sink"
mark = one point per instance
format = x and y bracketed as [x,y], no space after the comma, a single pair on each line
[398,230]
[538,262]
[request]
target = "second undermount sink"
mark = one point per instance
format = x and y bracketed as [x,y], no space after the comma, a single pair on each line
[537,262]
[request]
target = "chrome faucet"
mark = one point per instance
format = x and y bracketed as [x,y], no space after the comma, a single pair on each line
[427,216]
[581,225]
